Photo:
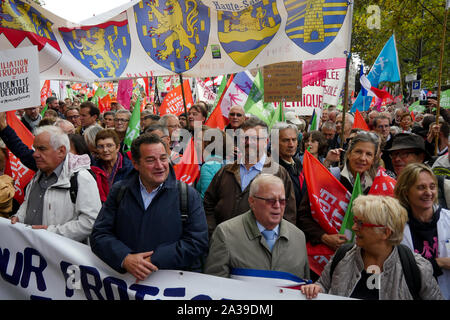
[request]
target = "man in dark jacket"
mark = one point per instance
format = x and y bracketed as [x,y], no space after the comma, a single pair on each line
[139,228]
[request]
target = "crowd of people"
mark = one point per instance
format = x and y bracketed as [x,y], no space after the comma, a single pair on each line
[249,207]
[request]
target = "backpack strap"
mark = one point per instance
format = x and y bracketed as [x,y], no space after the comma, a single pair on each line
[183,191]
[410,270]
[123,188]
[74,187]
[441,191]
[339,254]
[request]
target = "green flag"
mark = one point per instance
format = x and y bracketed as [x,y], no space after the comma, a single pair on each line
[69,92]
[255,104]
[43,110]
[220,91]
[99,94]
[445,99]
[278,116]
[133,126]
[347,223]
[417,107]
[313,123]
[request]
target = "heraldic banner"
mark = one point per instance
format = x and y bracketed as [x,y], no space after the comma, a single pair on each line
[165,37]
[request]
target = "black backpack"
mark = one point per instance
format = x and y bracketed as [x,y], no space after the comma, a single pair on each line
[410,269]
[74,184]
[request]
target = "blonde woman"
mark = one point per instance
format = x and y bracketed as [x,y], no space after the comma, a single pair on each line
[378,224]
[428,229]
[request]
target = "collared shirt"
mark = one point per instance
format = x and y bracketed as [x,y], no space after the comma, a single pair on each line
[276,229]
[147,197]
[35,205]
[248,175]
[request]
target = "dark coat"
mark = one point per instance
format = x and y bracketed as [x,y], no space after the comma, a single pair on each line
[126,227]
[18,148]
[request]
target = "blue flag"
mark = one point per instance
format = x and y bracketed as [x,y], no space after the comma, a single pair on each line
[385,68]
[361,73]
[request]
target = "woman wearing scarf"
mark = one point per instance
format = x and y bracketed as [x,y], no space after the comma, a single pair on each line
[111,166]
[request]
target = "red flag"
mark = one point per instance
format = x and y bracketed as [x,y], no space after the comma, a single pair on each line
[45,92]
[147,86]
[359,122]
[188,170]
[14,168]
[104,104]
[413,117]
[216,120]
[383,184]
[173,101]
[329,200]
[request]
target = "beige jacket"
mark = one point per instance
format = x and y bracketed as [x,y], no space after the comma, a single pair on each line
[392,282]
[238,243]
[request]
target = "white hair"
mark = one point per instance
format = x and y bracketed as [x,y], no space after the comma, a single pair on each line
[57,136]
[90,133]
[264,178]
[165,119]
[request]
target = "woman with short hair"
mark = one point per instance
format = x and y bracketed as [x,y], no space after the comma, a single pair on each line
[359,158]
[428,229]
[378,225]
[110,166]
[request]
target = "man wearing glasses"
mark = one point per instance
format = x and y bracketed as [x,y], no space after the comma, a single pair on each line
[407,148]
[236,118]
[382,126]
[228,192]
[259,239]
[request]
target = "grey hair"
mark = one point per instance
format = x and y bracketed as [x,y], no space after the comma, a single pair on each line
[284,125]
[165,119]
[396,129]
[61,122]
[329,125]
[128,113]
[365,136]
[265,178]
[157,126]
[90,133]
[57,137]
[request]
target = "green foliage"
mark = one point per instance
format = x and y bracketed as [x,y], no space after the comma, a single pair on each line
[418,28]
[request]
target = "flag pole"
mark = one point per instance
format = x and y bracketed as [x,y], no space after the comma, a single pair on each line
[347,71]
[184,100]
[344,109]
[438,106]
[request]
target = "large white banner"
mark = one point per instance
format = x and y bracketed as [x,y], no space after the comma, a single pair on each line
[198,39]
[37,264]
[19,78]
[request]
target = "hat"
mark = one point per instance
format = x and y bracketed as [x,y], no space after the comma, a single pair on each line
[292,118]
[408,141]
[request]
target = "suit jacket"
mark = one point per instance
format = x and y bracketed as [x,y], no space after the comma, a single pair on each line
[238,243]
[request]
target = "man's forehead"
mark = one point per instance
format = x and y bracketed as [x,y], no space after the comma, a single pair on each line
[42,139]
[255,130]
[237,108]
[153,149]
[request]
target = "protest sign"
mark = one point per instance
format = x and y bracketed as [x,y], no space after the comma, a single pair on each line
[19,78]
[283,82]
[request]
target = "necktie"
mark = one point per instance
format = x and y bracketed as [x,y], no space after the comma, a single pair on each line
[269,235]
